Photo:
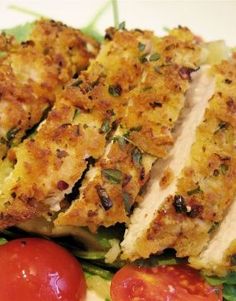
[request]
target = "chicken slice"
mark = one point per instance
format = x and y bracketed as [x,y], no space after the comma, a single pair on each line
[109,190]
[202,164]
[47,165]
[218,258]
[32,72]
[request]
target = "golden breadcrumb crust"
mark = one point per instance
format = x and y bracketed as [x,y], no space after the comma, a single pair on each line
[32,72]
[75,130]
[145,132]
[49,163]
[207,185]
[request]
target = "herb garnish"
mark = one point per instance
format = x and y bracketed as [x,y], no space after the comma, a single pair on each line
[133,129]
[154,57]
[10,135]
[194,191]
[115,90]
[143,58]
[224,168]
[114,176]
[105,128]
[221,126]
[214,226]
[120,140]
[121,26]
[141,46]
[137,157]
[127,198]
[76,113]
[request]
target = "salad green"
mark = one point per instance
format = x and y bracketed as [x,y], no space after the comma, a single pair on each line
[228,282]
[98,272]
[20,32]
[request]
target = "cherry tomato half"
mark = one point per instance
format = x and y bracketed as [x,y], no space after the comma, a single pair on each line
[34,269]
[163,283]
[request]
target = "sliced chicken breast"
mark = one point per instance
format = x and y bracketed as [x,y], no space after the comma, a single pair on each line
[46,166]
[110,189]
[218,258]
[32,72]
[202,186]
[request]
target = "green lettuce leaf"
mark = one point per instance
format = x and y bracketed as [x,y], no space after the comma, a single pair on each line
[20,32]
[167,258]
[3,241]
[229,292]
[96,270]
[228,282]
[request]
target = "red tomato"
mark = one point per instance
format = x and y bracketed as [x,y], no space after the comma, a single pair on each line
[34,269]
[163,283]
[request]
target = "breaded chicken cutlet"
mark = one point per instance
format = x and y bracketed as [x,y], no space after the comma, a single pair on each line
[153,108]
[32,72]
[183,215]
[50,163]
[141,101]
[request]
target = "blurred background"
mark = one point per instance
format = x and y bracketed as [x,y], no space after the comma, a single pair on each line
[210,19]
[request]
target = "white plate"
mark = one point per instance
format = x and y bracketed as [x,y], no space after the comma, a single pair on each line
[213,20]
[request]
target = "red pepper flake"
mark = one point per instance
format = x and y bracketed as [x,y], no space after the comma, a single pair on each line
[62,185]
[61,154]
[142,174]
[196,211]
[126,180]
[185,72]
